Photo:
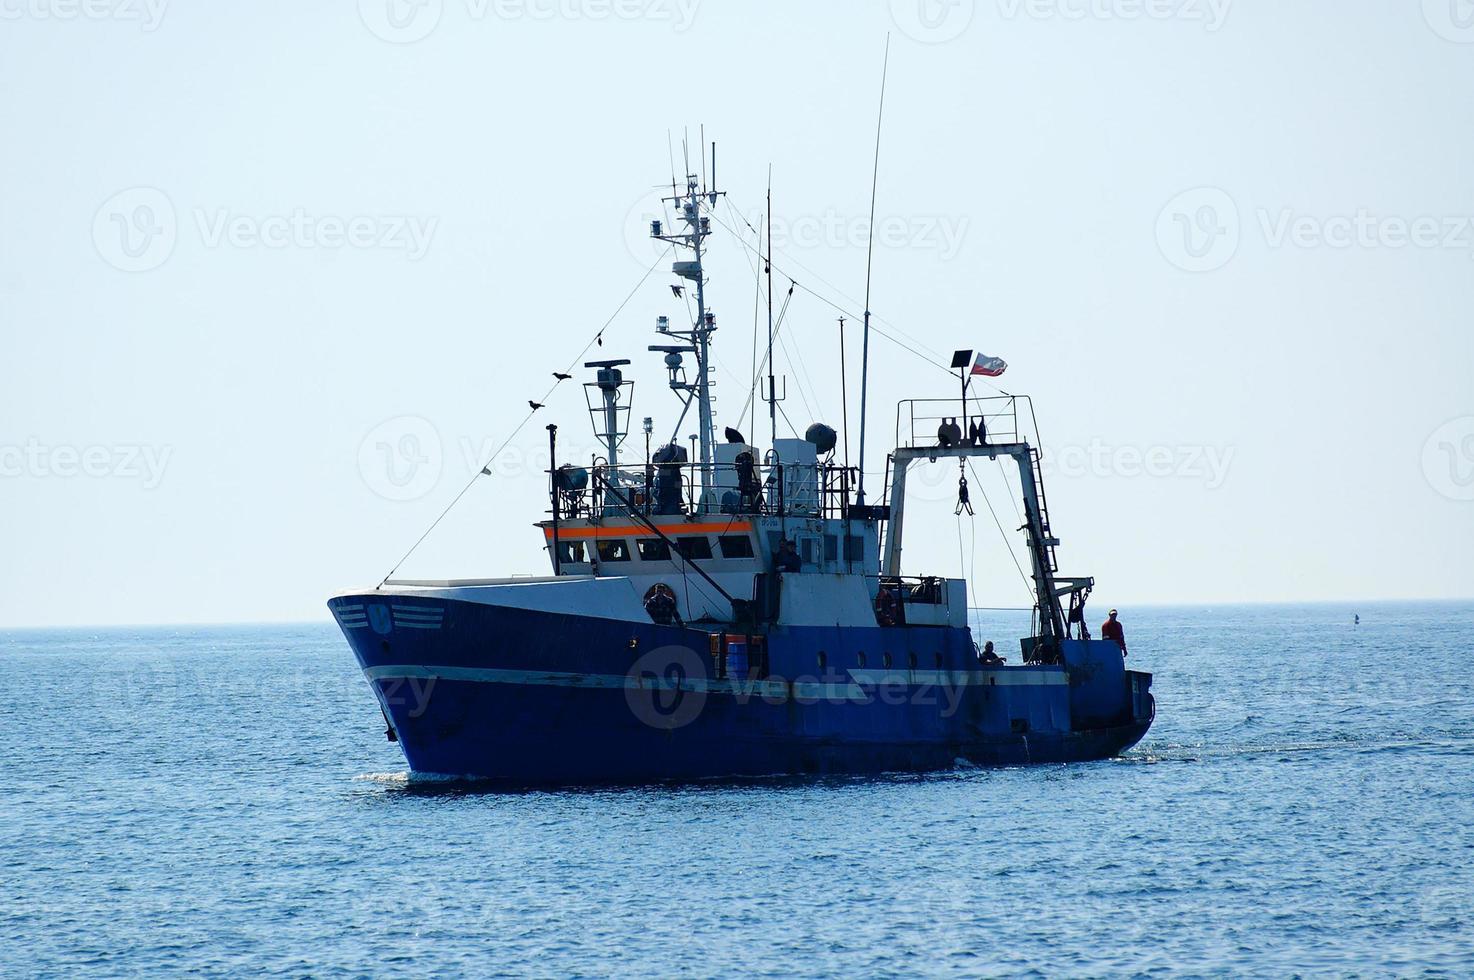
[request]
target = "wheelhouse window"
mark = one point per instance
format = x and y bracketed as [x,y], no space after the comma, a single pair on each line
[614,549]
[572,552]
[694,548]
[653,549]
[854,547]
[736,546]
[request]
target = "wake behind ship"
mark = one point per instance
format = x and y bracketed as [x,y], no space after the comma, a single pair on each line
[739,612]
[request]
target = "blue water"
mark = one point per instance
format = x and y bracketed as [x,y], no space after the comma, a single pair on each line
[223,799]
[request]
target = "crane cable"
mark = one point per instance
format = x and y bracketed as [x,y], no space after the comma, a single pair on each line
[1001,533]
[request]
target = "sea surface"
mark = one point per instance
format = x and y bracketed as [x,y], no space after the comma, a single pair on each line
[222,800]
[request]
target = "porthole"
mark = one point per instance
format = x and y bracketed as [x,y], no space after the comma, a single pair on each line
[860,658]
[939,661]
[885,660]
[823,661]
[911,659]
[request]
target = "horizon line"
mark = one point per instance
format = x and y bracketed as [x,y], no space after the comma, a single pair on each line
[328,621]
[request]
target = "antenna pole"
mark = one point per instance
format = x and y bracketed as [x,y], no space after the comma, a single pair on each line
[844,402]
[553,481]
[844,396]
[869,255]
[772,384]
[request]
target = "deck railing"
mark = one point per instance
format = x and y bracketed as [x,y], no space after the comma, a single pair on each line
[823,489]
[999,418]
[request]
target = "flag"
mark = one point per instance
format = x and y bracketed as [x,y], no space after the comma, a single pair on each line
[989,367]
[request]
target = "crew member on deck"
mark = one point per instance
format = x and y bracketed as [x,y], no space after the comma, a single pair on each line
[787,559]
[1111,630]
[988,657]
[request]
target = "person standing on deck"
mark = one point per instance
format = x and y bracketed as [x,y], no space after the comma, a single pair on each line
[787,559]
[1111,630]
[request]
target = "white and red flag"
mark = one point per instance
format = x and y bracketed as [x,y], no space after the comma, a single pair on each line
[989,367]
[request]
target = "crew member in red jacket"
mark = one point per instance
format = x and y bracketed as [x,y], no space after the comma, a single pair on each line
[1111,630]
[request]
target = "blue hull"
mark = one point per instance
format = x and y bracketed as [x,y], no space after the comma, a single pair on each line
[532,698]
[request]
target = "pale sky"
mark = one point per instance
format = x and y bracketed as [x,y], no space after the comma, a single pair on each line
[273,276]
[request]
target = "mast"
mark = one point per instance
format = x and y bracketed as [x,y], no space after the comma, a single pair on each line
[689,206]
[869,254]
[704,326]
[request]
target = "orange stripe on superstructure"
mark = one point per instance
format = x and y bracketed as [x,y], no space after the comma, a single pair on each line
[635,531]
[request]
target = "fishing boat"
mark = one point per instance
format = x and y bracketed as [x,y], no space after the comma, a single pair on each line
[739,611]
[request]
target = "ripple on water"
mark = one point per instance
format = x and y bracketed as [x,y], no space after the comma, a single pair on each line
[174,812]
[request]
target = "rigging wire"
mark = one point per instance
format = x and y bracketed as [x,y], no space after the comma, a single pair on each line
[801,368]
[850,314]
[934,356]
[486,467]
